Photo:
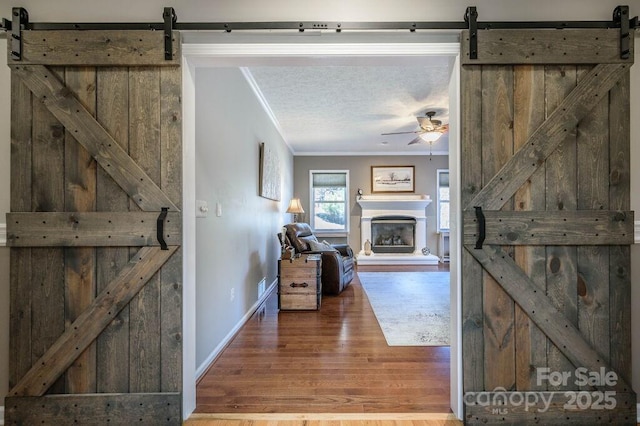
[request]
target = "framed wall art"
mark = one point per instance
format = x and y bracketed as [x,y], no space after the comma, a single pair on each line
[269,173]
[392,179]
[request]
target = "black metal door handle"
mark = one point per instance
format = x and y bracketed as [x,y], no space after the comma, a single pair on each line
[482,227]
[160,230]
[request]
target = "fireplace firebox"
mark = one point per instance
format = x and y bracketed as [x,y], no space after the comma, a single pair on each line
[393,234]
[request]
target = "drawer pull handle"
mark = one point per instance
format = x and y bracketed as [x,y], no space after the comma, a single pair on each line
[294,285]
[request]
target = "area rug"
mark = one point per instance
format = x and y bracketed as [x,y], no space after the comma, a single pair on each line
[412,308]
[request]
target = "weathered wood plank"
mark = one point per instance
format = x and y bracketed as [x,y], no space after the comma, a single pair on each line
[561,194]
[145,150]
[497,149]
[20,259]
[92,321]
[122,168]
[560,227]
[528,114]
[47,265]
[544,46]
[116,409]
[471,178]
[546,139]
[619,198]
[80,187]
[96,48]
[548,408]
[593,194]
[91,229]
[561,331]
[171,184]
[113,343]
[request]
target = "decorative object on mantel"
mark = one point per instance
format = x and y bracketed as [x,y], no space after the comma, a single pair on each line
[426,251]
[392,179]
[269,173]
[367,248]
[360,192]
[295,207]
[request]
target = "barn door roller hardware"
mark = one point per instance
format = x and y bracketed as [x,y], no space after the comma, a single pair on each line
[20,19]
[170,18]
[21,22]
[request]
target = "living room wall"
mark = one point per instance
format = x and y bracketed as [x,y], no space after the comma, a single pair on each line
[239,248]
[360,177]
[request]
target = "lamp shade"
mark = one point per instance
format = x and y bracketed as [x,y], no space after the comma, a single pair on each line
[295,206]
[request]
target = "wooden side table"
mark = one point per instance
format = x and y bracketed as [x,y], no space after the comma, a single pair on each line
[299,285]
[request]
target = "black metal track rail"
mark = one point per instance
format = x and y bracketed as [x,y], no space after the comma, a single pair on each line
[317,25]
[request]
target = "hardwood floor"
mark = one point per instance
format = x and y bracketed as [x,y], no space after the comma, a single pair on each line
[334,360]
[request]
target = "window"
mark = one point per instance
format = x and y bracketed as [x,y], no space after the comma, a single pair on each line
[443,199]
[329,191]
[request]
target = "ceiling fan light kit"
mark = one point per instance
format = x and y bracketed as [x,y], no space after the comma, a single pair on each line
[429,132]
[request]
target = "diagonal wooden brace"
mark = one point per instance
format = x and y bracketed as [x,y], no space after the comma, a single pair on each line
[540,309]
[93,320]
[546,139]
[62,103]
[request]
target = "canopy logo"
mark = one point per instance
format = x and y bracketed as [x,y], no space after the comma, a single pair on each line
[501,401]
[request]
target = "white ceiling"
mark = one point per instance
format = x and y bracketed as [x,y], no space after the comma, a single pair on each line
[343,109]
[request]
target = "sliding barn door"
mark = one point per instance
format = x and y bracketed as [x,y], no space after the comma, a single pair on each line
[547,228]
[95,230]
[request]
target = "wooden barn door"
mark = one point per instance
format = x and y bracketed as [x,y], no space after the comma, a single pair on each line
[96,299]
[547,228]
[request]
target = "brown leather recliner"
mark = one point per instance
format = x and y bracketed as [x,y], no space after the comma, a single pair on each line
[337,261]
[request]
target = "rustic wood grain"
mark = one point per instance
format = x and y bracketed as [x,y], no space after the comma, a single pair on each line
[140,409]
[80,196]
[87,131]
[559,227]
[96,48]
[560,330]
[556,413]
[528,114]
[471,181]
[90,323]
[145,150]
[593,194]
[546,139]
[542,46]
[299,286]
[20,259]
[620,256]
[171,184]
[497,149]
[113,343]
[91,229]
[561,195]
[47,265]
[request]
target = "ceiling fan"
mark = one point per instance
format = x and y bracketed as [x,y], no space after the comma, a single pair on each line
[429,132]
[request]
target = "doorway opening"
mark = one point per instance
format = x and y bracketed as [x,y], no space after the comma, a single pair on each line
[200,56]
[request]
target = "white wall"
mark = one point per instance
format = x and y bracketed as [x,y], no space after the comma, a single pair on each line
[334,10]
[236,250]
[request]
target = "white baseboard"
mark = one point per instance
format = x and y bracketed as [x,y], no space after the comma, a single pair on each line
[1,415]
[637,231]
[638,412]
[3,235]
[202,369]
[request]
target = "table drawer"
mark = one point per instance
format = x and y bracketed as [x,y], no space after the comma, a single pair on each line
[300,301]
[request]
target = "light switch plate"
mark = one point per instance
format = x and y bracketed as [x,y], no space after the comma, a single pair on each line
[202,208]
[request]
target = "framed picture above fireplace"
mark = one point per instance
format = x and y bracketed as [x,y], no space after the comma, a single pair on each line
[392,179]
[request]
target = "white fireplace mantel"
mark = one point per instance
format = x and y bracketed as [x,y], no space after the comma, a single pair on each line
[410,205]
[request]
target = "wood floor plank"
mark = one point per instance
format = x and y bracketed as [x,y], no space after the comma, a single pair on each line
[335,360]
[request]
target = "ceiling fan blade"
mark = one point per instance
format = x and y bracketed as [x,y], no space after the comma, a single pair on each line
[416,140]
[424,122]
[401,133]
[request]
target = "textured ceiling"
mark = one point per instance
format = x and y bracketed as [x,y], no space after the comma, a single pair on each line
[344,109]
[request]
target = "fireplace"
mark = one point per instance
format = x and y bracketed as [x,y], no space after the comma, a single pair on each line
[393,234]
[396,226]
